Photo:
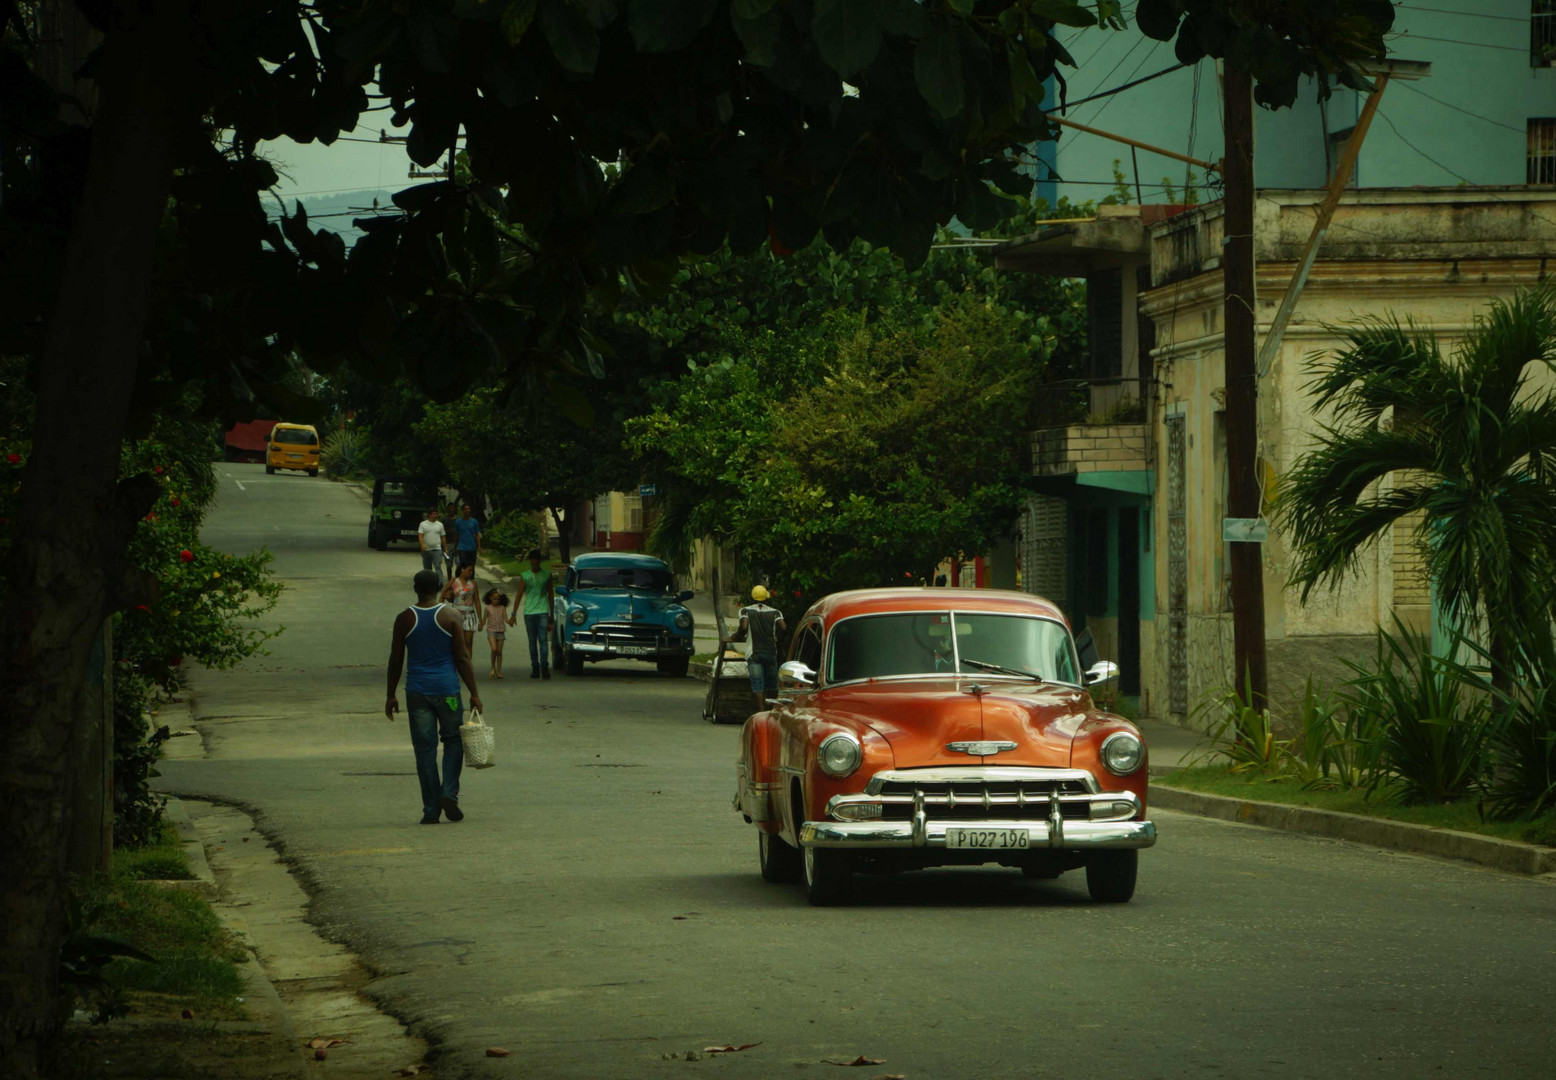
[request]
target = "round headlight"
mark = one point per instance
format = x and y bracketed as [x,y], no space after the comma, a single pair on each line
[577,616]
[684,620]
[839,755]
[1122,753]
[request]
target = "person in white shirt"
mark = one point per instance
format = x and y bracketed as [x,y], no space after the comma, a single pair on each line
[433,538]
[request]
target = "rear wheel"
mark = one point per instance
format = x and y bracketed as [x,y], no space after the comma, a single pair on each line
[780,862]
[829,876]
[313,472]
[1110,875]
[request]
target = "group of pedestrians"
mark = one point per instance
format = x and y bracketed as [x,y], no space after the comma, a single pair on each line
[448,547]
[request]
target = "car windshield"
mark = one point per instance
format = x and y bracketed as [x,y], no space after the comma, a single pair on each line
[649,579]
[409,494]
[928,643]
[294,437]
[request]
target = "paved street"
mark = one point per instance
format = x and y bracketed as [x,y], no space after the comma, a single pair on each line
[600,906]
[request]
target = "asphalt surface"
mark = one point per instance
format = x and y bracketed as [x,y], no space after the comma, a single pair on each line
[600,908]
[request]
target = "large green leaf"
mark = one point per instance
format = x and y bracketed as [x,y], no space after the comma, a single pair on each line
[573,41]
[937,68]
[667,25]
[847,33]
[759,34]
[1064,12]
[1158,18]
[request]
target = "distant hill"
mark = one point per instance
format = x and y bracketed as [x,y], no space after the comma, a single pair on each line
[336,211]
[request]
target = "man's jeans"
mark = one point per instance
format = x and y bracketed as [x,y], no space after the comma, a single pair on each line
[762,670]
[432,718]
[538,627]
[432,559]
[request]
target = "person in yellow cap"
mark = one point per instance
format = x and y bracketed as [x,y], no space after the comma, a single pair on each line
[761,623]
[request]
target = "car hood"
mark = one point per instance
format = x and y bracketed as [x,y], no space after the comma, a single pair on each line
[618,603]
[919,717]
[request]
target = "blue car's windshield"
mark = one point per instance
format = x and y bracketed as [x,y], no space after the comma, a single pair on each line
[922,643]
[625,577]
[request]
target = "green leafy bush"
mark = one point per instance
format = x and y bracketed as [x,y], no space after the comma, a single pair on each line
[1523,774]
[511,534]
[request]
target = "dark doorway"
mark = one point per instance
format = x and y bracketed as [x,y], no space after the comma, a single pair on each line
[1129,600]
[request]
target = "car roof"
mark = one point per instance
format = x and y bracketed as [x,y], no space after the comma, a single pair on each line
[609,559]
[305,427]
[842,605]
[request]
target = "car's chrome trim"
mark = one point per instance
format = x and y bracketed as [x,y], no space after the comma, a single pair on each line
[981,747]
[980,774]
[826,650]
[1120,805]
[1072,836]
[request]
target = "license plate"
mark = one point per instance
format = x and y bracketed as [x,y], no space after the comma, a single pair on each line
[634,650]
[295,457]
[992,839]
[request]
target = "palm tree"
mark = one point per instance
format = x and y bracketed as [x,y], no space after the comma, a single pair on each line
[1468,439]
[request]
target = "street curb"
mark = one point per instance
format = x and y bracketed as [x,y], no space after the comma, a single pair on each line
[189,840]
[1506,855]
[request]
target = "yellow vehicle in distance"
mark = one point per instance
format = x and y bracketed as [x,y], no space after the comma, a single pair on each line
[293,446]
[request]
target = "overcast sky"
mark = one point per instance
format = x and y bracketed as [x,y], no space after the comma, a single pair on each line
[314,169]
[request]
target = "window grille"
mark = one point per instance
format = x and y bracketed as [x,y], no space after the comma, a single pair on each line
[1542,33]
[1542,151]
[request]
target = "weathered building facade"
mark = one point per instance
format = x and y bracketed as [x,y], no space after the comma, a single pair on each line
[1126,533]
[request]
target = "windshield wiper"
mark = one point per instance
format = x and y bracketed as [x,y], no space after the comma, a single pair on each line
[1001,668]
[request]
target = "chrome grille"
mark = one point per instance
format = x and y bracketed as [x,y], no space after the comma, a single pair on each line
[1004,800]
[623,634]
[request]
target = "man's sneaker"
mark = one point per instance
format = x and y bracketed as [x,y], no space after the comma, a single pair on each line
[545,673]
[429,819]
[534,673]
[451,809]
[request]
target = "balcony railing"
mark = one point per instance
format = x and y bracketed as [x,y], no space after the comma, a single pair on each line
[1073,402]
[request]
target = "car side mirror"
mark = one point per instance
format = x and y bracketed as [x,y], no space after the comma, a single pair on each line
[683,596]
[1101,672]
[794,677]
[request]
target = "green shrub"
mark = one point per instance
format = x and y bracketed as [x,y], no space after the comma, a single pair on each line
[1244,736]
[513,533]
[1523,773]
[343,453]
[1431,727]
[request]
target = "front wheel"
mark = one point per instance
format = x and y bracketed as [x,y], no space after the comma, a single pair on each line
[780,863]
[829,876]
[375,539]
[270,470]
[574,661]
[676,667]
[1110,875]
[557,660]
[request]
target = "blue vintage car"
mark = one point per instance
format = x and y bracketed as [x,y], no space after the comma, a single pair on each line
[615,606]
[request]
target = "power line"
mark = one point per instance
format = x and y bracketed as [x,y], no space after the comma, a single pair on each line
[1126,86]
[1455,41]
[1448,104]
[1469,14]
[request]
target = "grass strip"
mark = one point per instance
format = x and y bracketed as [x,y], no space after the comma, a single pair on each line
[196,956]
[1461,816]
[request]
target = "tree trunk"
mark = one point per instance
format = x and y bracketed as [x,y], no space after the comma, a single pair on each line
[68,570]
[564,542]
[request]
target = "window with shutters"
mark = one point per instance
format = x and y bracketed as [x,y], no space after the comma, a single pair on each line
[1542,151]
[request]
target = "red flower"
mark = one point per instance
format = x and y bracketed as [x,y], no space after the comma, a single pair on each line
[798,594]
[14,459]
[151,517]
[141,607]
[186,555]
[175,500]
[159,470]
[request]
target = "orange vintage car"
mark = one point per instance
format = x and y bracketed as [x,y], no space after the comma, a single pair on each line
[936,727]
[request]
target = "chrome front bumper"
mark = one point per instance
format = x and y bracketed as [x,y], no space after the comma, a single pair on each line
[1043,835]
[596,651]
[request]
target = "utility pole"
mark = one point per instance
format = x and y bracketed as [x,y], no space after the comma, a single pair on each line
[1242,392]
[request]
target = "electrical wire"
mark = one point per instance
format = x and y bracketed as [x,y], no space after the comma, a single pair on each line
[1469,14]
[1126,86]
[1455,41]
[1448,104]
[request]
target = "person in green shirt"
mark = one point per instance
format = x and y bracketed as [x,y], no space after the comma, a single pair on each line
[535,596]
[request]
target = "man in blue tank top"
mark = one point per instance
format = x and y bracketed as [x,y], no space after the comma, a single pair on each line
[430,635]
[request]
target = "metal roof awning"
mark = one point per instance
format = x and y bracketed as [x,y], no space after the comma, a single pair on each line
[1111,241]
